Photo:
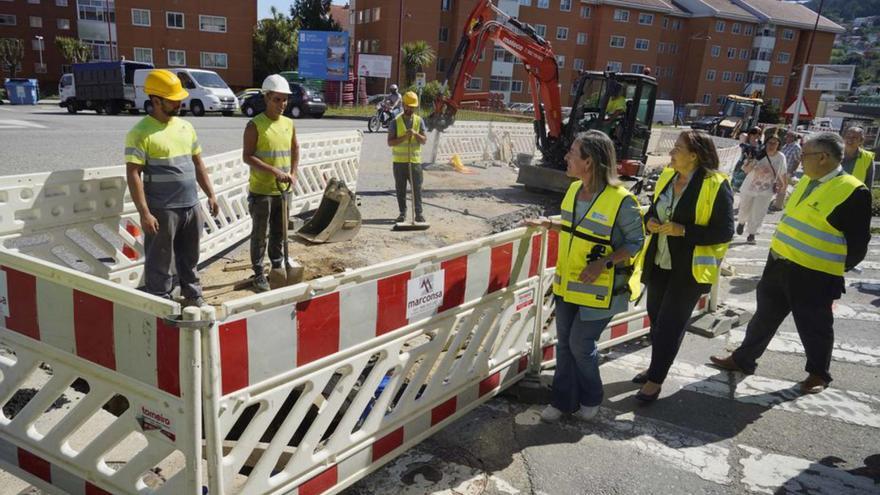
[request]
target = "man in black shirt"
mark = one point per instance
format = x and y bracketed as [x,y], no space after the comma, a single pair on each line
[804,271]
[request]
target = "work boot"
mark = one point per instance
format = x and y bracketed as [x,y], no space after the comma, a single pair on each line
[420,219]
[739,229]
[751,240]
[194,301]
[400,218]
[260,283]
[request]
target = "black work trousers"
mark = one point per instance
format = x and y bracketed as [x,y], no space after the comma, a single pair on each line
[670,306]
[266,215]
[786,287]
[401,177]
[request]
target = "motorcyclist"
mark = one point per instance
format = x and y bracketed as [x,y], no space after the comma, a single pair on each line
[394,101]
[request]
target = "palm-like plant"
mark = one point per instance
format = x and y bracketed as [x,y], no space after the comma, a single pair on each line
[416,56]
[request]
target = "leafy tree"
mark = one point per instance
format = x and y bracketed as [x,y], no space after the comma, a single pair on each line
[313,15]
[73,50]
[770,114]
[430,93]
[11,55]
[275,45]
[844,10]
[416,56]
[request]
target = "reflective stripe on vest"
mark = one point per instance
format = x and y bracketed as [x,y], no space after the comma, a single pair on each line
[804,235]
[273,148]
[706,258]
[863,162]
[407,152]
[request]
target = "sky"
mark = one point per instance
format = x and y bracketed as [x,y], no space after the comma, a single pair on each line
[281,5]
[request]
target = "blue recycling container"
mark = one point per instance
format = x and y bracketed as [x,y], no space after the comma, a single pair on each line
[22,91]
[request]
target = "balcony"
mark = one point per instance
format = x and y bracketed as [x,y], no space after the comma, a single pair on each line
[764,42]
[759,66]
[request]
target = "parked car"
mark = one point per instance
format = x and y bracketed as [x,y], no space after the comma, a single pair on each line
[245,94]
[302,102]
[208,92]
[664,112]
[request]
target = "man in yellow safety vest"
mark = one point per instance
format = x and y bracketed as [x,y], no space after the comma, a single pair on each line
[406,135]
[856,160]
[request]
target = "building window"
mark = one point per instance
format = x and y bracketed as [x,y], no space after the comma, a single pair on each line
[214,60]
[516,86]
[35,2]
[174,20]
[444,34]
[736,28]
[212,23]
[562,33]
[716,51]
[710,75]
[719,26]
[787,34]
[101,50]
[707,98]
[565,5]
[560,61]
[673,48]
[543,4]
[618,42]
[642,44]
[621,15]
[374,46]
[582,38]
[36,22]
[445,5]
[731,52]
[540,30]
[726,75]
[739,77]
[778,80]
[665,22]
[661,47]
[783,57]
[749,30]
[646,19]
[585,11]
[377,11]
[774,102]
[61,3]
[637,68]
[63,24]
[499,83]
[143,55]
[744,53]
[37,45]
[577,64]
[475,83]
[614,66]
[358,45]
[441,64]
[40,68]
[7,20]
[140,17]
[527,3]
[176,58]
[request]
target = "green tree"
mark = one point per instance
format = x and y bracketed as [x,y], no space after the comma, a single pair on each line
[275,45]
[73,50]
[770,114]
[313,15]
[416,56]
[11,55]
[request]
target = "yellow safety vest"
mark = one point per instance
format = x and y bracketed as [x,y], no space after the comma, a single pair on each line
[804,235]
[592,235]
[706,258]
[273,147]
[860,169]
[407,152]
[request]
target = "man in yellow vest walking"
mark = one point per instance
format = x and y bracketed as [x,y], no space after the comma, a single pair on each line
[406,137]
[823,233]
[856,160]
[271,150]
[163,165]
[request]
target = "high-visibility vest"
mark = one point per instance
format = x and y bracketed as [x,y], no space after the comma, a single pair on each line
[273,148]
[592,235]
[707,258]
[804,235]
[407,152]
[863,162]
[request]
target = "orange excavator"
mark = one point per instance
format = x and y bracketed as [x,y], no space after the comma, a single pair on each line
[619,104]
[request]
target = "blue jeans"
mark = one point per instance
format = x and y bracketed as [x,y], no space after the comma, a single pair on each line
[576,381]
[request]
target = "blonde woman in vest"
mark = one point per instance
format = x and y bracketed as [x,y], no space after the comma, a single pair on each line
[271,150]
[824,233]
[601,236]
[691,222]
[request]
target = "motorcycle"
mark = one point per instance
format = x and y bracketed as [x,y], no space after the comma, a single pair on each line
[384,116]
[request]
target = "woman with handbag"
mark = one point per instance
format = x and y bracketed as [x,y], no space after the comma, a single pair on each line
[765,177]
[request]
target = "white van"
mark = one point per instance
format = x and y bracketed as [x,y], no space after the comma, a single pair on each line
[208,92]
[664,112]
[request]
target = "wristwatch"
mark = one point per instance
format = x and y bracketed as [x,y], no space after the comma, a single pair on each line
[609,264]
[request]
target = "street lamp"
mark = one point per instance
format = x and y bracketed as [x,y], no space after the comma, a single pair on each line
[40,39]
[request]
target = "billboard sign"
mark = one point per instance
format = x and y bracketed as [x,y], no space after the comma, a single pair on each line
[323,55]
[832,77]
[374,65]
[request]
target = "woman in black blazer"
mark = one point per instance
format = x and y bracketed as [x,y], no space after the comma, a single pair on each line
[683,219]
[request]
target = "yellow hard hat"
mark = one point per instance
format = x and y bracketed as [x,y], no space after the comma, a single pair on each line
[164,84]
[411,99]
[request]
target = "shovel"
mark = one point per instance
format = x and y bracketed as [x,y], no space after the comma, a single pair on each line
[288,274]
[412,224]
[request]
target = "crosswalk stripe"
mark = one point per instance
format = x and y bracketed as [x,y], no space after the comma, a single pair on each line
[865,265]
[861,312]
[790,343]
[19,124]
[845,406]
[768,473]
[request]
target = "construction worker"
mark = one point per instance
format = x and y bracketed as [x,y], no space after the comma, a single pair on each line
[857,161]
[163,165]
[271,150]
[824,233]
[406,137]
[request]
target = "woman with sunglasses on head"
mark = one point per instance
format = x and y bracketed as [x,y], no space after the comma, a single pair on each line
[691,219]
[597,270]
[765,178]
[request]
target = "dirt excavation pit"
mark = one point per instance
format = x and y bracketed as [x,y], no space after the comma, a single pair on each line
[458,207]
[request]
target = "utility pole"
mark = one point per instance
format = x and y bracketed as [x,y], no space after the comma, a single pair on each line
[40,39]
[399,41]
[109,30]
[804,67]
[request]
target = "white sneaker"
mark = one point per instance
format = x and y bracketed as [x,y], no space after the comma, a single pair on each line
[586,413]
[550,414]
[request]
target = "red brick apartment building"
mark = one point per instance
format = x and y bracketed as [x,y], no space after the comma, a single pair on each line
[207,34]
[699,50]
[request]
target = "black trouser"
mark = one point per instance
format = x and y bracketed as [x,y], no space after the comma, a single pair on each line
[785,288]
[670,306]
[177,240]
[266,215]
[401,177]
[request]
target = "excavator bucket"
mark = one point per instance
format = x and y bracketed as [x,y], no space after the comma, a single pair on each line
[337,219]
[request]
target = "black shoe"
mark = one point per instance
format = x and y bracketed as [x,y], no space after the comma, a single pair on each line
[739,229]
[641,378]
[420,219]
[400,218]
[751,240]
[648,398]
[260,283]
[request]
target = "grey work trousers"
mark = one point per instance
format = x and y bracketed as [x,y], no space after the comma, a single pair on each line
[177,240]
[401,177]
[266,215]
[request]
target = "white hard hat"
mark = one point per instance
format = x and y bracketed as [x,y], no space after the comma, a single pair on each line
[393,87]
[276,83]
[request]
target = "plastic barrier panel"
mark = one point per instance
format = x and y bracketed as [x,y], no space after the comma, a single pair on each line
[84,219]
[663,140]
[475,141]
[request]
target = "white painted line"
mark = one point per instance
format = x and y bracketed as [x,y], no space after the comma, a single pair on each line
[790,343]
[861,312]
[839,405]
[768,473]
[865,265]
[19,124]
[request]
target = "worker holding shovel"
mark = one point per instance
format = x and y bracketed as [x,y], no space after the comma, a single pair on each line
[271,150]
[406,137]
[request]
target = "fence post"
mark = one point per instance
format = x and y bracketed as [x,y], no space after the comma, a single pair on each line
[211,400]
[191,361]
[537,348]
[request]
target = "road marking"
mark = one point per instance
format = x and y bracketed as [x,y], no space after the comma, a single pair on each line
[790,343]
[865,265]
[840,405]
[768,473]
[19,124]
[860,312]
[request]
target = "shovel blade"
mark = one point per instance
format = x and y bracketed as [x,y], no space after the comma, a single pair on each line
[337,219]
[285,276]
